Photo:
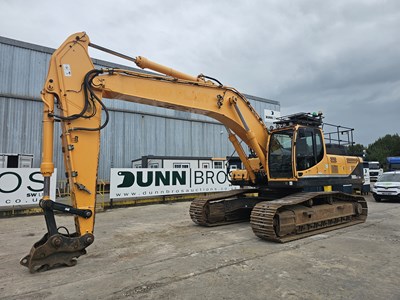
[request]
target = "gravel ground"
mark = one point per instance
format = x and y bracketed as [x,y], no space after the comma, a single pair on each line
[156,252]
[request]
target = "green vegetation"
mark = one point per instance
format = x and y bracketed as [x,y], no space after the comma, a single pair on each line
[389,145]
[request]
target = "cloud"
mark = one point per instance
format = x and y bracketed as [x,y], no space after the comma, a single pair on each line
[338,56]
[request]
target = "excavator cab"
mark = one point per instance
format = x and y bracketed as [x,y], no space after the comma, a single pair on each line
[299,156]
[295,147]
[298,159]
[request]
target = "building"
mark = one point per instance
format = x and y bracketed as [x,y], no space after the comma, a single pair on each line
[134,130]
[177,162]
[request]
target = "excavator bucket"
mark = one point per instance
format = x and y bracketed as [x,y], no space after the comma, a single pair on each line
[56,250]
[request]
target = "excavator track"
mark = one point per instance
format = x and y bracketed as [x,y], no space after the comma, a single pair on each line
[304,214]
[223,208]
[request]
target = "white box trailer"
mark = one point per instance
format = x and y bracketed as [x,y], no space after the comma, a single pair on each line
[179,162]
[12,160]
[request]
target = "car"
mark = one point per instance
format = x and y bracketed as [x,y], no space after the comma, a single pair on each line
[387,186]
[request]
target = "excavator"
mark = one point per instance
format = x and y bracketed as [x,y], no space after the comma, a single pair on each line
[291,187]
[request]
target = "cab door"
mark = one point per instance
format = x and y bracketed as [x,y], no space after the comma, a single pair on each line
[280,156]
[309,149]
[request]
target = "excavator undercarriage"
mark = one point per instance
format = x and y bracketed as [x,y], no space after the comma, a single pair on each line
[223,208]
[283,219]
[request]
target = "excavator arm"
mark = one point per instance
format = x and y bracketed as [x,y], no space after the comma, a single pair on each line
[73,94]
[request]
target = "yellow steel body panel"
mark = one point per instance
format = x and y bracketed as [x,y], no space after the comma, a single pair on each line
[68,67]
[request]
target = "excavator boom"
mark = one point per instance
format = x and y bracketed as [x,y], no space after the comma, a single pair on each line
[278,169]
[78,88]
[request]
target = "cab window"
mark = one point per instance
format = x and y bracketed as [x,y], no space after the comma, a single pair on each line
[309,148]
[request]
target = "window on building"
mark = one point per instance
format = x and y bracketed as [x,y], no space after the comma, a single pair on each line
[218,165]
[153,165]
[205,165]
[181,166]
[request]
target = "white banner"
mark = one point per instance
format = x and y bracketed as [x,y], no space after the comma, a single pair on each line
[131,183]
[23,186]
[271,116]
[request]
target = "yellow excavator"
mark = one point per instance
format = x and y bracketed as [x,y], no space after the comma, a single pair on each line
[291,187]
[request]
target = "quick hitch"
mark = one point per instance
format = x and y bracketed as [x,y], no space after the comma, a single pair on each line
[56,249]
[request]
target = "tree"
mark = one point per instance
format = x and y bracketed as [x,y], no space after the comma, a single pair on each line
[389,145]
[356,150]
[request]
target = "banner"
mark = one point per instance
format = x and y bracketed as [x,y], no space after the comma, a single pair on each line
[152,182]
[23,186]
[271,116]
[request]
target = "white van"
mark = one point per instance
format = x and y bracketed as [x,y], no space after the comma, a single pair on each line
[387,186]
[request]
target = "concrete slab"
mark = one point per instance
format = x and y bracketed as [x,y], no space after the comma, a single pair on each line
[156,252]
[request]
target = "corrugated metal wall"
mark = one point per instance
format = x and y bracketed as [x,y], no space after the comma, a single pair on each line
[134,129]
